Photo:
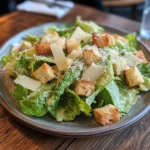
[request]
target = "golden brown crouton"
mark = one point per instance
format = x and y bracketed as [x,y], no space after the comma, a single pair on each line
[117,37]
[84,87]
[133,77]
[72,45]
[102,40]
[57,72]
[44,73]
[25,45]
[119,67]
[141,55]
[43,48]
[107,115]
[90,56]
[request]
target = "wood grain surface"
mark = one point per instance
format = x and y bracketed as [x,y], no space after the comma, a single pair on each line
[15,136]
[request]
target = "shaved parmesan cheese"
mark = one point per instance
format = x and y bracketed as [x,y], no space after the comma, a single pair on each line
[75,54]
[93,72]
[131,59]
[80,35]
[61,61]
[105,53]
[27,82]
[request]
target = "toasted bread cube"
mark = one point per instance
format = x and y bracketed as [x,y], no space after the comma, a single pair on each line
[72,45]
[102,40]
[107,115]
[122,39]
[57,72]
[43,48]
[44,73]
[133,77]
[90,56]
[119,66]
[141,55]
[25,45]
[84,87]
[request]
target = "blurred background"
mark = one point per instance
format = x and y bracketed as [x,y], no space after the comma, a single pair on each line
[131,9]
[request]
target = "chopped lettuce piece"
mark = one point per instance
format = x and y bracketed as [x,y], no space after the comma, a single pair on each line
[69,77]
[144,69]
[146,85]
[35,103]
[118,94]
[82,105]
[70,106]
[132,41]
[63,30]
[88,26]
[33,39]
[20,93]
[5,60]
[102,82]
[21,66]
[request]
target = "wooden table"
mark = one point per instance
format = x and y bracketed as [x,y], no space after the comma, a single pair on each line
[15,136]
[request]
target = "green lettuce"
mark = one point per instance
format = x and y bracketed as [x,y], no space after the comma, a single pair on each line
[88,26]
[146,85]
[35,103]
[63,30]
[144,69]
[118,94]
[33,39]
[102,81]
[70,106]
[69,77]
[132,41]
[20,93]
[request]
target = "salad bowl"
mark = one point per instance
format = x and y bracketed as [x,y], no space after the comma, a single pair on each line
[81,126]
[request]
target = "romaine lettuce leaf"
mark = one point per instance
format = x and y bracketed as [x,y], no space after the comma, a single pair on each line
[146,85]
[118,94]
[144,69]
[102,81]
[69,77]
[20,93]
[70,106]
[33,39]
[5,60]
[88,26]
[132,41]
[35,103]
[63,30]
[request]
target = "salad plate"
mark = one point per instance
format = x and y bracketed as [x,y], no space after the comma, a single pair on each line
[81,126]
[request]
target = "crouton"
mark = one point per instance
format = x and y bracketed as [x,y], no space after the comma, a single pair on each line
[25,45]
[43,48]
[141,55]
[44,73]
[57,72]
[133,77]
[107,115]
[119,66]
[72,45]
[84,87]
[90,56]
[102,40]
[122,39]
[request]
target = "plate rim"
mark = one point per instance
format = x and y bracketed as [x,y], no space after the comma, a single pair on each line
[94,131]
